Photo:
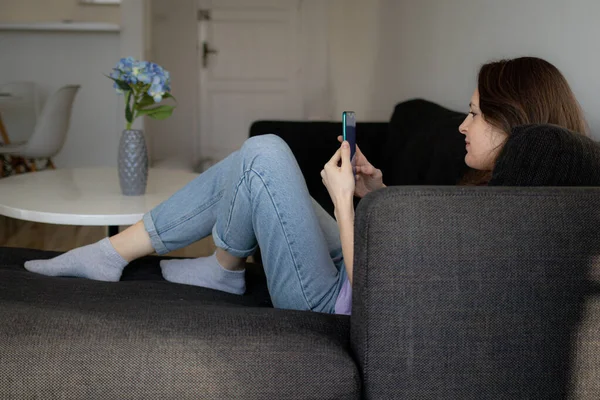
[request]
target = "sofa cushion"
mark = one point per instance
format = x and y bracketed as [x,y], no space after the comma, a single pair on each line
[547,155]
[148,338]
[424,146]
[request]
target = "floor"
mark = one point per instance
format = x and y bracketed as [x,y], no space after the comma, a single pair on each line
[16,233]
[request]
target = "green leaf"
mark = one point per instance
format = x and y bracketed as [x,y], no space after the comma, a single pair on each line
[168,95]
[121,84]
[146,101]
[128,112]
[160,112]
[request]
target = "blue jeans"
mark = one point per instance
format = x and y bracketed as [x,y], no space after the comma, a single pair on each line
[258,196]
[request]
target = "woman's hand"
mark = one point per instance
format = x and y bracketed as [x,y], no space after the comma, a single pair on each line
[368,178]
[339,180]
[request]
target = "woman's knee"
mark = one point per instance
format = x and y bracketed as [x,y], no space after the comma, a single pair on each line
[269,144]
[267,150]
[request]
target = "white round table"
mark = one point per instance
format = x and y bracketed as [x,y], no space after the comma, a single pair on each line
[85,196]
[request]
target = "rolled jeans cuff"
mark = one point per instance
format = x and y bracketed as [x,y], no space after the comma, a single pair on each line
[155,240]
[234,252]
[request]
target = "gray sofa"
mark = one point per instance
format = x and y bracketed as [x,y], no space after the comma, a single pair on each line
[459,293]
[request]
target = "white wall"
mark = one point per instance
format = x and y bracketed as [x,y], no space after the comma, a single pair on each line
[56,10]
[133,41]
[434,48]
[174,40]
[315,64]
[54,59]
[175,22]
[377,53]
[353,55]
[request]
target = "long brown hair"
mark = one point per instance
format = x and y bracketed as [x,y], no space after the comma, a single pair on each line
[522,91]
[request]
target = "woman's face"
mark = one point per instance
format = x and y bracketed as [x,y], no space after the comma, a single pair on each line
[483,141]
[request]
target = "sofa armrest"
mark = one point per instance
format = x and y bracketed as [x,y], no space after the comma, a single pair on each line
[472,292]
[313,144]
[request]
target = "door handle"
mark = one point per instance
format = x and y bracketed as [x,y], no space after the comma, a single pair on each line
[206,52]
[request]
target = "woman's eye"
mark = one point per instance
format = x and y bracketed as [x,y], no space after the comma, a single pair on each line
[472,113]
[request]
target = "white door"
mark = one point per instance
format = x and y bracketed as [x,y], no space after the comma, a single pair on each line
[249,70]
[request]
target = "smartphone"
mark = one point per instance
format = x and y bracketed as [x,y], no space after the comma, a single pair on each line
[349,127]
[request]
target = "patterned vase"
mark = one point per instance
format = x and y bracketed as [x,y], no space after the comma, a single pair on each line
[133,163]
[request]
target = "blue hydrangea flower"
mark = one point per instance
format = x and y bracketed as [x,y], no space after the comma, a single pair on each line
[141,80]
[146,73]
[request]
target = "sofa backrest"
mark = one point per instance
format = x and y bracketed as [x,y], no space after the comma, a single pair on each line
[424,146]
[314,142]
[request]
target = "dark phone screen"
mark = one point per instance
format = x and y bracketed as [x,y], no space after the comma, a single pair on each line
[349,121]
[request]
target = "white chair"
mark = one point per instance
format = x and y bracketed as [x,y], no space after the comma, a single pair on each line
[51,128]
[20,109]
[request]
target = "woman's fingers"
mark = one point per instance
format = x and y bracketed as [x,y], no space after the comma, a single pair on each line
[335,158]
[363,165]
[358,151]
[360,156]
[365,169]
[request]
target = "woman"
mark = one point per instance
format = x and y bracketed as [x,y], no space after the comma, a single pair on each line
[257,196]
[510,93]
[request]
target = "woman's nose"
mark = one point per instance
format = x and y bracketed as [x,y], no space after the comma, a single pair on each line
[463,128]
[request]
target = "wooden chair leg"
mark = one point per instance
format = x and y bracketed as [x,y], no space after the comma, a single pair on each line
[3,132]
[4,232]
[8,229]
[12,227]
[27,165]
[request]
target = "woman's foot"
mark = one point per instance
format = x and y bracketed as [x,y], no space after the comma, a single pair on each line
[99,261]
[206,272]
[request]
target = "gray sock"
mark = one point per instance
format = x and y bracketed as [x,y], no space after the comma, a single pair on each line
[205,272]
[99,261]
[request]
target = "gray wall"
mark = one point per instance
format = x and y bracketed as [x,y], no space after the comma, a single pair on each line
[434,48]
